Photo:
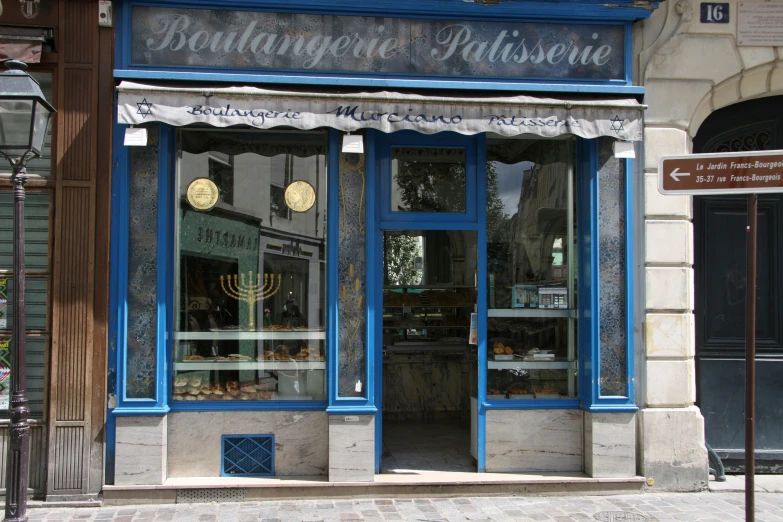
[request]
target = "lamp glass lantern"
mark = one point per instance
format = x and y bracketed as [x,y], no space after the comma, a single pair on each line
[24,114]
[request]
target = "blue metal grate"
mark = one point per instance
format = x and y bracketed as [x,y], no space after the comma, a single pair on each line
[248,456]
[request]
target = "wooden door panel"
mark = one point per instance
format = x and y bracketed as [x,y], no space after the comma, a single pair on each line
[723,408]
[719,225]
[721,305]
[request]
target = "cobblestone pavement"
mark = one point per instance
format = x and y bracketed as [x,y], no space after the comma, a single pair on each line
[704,507]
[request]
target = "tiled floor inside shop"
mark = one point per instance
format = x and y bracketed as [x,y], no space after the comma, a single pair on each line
[418,446]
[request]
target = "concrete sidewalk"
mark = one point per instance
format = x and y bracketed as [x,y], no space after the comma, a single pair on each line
[762,483]
[708,506]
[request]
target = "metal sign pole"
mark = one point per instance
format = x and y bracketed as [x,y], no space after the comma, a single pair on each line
[750,360]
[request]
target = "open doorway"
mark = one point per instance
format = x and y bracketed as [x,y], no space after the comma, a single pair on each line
[429,367]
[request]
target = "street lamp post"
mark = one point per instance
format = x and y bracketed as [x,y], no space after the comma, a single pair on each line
[24,118]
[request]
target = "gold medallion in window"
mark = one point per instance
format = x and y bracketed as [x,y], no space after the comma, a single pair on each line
[300,196]
[203,194]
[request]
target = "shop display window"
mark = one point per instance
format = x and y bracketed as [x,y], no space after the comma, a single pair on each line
[531,266]
[251,250]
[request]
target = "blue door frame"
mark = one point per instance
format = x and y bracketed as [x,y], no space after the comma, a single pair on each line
[473,219]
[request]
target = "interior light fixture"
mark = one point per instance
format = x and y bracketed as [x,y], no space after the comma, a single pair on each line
[353,143]
[135,137]
[623,150]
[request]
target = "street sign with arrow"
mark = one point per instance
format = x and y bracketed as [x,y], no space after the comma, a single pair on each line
[722,173]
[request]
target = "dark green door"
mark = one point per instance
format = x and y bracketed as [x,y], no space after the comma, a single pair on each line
[719,233]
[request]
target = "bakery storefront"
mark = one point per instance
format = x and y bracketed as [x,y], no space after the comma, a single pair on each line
[355,243]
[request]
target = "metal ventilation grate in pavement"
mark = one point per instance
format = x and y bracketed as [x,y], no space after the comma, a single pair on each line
[620,516]
[248,456]
[204,496]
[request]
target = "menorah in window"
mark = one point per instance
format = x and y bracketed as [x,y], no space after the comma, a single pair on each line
[250,290]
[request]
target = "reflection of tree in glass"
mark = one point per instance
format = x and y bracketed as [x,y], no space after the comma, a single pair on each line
[400,254]
[427,186]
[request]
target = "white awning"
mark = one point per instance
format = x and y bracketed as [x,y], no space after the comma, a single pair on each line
[507,115]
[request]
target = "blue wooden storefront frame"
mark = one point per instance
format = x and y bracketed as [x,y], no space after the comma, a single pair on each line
[589,326]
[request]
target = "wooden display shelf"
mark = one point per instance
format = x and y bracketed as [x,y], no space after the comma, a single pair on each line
[249,365]
[532,312]
[239,335]
[531,365]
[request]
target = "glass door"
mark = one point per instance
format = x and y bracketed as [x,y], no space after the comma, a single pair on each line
[428,235]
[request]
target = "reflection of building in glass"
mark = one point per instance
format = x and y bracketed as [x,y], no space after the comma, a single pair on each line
[251,230]
[542,217]
[251,277]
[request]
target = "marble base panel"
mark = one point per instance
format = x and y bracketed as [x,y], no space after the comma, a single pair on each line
[301,440]
[610,445]
[534,440]
[140,451]
[428,387]
[351,448]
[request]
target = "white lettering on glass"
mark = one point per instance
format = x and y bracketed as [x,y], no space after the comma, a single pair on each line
[452,41]
[173,35]
[459,40]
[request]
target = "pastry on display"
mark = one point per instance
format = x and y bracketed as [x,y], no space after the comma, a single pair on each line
[194,381]
[281,327]
[232,388]
[194,358]
[180,380]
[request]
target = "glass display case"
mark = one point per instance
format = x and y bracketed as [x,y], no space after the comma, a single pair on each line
[251,285]
[427,315]
[531,260]
[429,367]
[429,287]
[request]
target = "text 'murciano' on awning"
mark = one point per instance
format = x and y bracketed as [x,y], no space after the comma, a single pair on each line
[265,108]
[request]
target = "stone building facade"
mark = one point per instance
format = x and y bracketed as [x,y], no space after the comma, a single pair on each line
[689,70]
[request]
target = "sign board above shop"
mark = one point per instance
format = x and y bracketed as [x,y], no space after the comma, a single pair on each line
[293,42]
[724,173]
